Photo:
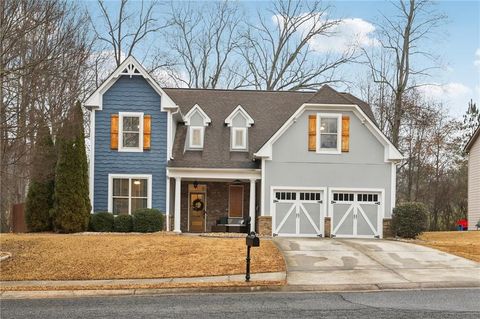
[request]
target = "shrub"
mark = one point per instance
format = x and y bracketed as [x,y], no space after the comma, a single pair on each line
[123,223]
[409,220]
[102,222]
[147,220]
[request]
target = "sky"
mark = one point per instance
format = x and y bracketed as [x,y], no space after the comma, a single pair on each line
[456,43]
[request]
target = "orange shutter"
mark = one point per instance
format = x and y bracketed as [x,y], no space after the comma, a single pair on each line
[345,133]
[147,131]
[114,132]
[312,133]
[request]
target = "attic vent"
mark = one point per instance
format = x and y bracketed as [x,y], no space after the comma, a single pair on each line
[130,70]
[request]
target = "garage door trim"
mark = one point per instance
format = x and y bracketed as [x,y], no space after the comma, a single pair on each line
[381,216]
[323,207]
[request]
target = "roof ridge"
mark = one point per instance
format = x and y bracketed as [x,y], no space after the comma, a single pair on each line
[238,90]
[329,88]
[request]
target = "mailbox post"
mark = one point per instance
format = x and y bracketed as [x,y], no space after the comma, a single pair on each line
[252,240]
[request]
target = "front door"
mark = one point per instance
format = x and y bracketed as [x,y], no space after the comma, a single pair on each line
[197,212]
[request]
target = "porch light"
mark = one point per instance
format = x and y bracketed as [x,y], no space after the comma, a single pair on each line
[237,181]
[195,184]
[137,182]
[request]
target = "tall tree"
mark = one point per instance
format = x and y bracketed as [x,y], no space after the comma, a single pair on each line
[40,191]
[203,39]
[71,201]
[128,28]
[280,57]
[43,49]
[471,121]
[403,38]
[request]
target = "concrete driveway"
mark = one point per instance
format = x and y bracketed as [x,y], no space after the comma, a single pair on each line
[339,264]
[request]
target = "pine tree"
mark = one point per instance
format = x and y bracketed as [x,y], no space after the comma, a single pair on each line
[71,201]
[471,121]
[42,177]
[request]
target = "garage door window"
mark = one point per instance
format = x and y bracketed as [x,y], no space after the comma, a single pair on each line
[309,196]
[367,197]
[285,195]
[343,197]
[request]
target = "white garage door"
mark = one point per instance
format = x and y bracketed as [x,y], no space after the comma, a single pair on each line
[298,212]
[356,213]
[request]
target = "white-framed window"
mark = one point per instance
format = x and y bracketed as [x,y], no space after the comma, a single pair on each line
[129,192]
[130,134]
[329,133]
[239,138]
[195,137]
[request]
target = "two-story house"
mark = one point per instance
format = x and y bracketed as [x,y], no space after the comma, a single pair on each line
[297,163]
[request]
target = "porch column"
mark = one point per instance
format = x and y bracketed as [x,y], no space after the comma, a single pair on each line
[252,205]
[178,184]
[167,205]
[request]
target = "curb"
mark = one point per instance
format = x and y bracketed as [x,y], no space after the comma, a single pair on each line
[6,295]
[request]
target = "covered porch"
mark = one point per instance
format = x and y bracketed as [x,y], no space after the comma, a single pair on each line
[212,200]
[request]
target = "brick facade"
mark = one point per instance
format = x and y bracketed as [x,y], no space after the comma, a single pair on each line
[327,227]
[387,228]
[264,225]
[217,197]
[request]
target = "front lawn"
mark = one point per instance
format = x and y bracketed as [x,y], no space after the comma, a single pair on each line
[122,256]
[461,243]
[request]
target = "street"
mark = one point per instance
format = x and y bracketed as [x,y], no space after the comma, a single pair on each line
[448,303]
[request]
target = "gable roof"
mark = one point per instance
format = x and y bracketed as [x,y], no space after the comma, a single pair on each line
[269,109]
[129,67]
[472,140]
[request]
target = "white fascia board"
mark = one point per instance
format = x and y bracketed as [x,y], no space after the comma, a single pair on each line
[213,173]
[392,154]
[95,100]
[197,109]
[241,110]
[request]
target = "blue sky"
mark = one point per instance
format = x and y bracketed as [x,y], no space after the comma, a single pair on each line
[457,44]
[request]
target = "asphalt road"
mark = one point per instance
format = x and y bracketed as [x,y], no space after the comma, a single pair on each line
[452,303]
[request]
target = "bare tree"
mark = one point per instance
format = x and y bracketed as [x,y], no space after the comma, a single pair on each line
[126,30]
[280,57]
[43,49]
[403,38]
[203,39]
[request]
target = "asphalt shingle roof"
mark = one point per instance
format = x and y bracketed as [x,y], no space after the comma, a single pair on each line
[269,109]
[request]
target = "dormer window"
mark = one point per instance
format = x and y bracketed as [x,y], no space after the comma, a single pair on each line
[239,121]
[195,137]
[196,121]
[239,138]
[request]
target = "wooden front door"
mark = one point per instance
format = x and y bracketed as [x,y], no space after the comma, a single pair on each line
[197,212]
[236,201]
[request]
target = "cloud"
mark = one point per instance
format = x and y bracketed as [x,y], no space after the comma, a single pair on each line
[349,33]
[476,62]
[454,95]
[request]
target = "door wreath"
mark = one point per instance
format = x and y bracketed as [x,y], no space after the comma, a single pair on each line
[197,205]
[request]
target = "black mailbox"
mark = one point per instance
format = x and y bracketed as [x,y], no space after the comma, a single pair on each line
[253,240]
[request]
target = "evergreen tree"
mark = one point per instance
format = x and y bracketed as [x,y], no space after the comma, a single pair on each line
[71,201]
[471,121]
[42,176]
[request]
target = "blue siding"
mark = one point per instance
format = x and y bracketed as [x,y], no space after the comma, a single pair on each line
[130,95]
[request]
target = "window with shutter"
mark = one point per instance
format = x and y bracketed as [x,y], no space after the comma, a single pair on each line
[345,133]
[147,131]
[114,132]
[312,133]
[130,133]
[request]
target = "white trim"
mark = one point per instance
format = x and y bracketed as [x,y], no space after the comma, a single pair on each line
[148,177]
[243,198]
[197,109]
[177,213]
[318,142]
[96,99]
[322,213]
[169,135]
[239,110]
[252,206]
[167,204]
[393,188]
[262,190]
[91,174]
[233,134]
[213,173]
[381,208]
[190,137]
[122,148]
[391,152]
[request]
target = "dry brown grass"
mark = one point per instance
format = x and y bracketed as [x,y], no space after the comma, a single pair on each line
[463,244]
[261,283]
[117,256]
